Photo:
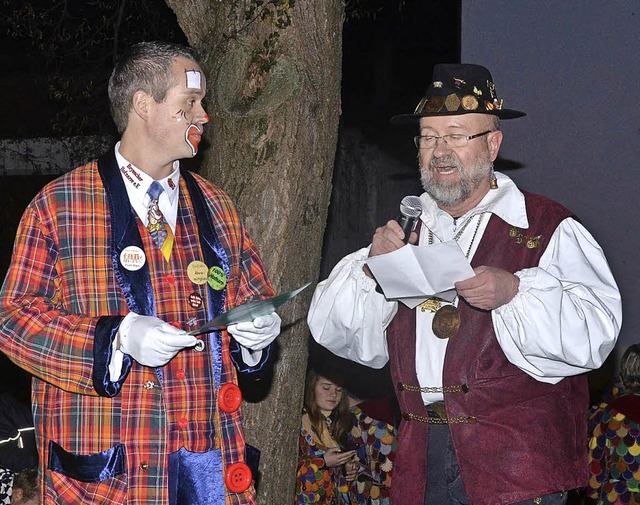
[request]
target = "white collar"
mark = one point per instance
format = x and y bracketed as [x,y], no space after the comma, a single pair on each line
[506,201]
[138,182]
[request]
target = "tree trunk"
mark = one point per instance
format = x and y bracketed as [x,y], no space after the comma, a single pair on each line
[274,102]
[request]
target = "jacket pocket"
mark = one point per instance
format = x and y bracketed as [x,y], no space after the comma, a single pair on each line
[87,479]
[88,468]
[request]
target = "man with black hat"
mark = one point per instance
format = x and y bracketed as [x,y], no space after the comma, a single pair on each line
[491,386]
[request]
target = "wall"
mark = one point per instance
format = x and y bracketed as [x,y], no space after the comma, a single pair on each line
[573,66]
[49,156]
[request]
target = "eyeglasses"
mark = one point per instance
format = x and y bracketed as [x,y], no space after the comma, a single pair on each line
[453,140]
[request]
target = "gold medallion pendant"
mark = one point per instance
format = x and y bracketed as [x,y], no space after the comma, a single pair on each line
[446,321]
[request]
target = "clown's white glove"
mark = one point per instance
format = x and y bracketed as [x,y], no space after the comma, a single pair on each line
[151,341]
[256,334]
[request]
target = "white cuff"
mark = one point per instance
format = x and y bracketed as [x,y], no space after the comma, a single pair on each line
[115,365]
[250,358]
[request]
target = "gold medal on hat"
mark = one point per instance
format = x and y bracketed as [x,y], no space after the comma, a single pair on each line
[446,320]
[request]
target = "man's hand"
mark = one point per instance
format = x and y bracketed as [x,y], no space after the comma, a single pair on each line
[386,239]
[256,334]
[151,341]
[489,289]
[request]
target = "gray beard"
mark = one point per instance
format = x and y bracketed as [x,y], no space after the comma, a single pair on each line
[452,193]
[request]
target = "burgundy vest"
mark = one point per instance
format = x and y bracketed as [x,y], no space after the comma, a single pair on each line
[528,438]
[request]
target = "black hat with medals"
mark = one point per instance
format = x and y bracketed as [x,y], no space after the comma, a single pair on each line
[459,88]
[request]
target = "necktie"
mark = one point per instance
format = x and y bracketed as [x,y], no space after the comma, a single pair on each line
[156,223]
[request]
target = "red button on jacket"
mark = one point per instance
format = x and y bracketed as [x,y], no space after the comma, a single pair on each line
[238,477]
[229,398]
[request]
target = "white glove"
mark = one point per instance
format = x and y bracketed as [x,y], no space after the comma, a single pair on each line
[256,334]
[151,341]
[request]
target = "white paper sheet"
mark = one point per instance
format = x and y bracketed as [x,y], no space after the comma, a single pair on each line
[412,273]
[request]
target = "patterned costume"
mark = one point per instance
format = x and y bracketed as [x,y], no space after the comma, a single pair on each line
[316,482]
[375,445]
[614,452]
[64,297]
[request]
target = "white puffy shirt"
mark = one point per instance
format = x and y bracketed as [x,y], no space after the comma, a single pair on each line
[563,321]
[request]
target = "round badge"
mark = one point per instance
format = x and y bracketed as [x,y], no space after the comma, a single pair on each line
[197,272]
[132,258]
[446,321]
[195,300]
[238,477]
[216,278]
[229,398]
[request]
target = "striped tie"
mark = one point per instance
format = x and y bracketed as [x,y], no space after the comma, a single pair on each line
[156,223]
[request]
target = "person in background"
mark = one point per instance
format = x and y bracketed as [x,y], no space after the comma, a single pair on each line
[325,468]
[19,488]
[614,441]
[25,487]
[491,383]
[375,444]
[115,264]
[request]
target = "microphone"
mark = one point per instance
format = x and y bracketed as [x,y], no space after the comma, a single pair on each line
[410,210]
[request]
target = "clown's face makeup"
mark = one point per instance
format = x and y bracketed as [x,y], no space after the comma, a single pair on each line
[193,136]
[178,121]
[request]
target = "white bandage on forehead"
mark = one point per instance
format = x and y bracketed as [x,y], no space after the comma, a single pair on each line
[193,79]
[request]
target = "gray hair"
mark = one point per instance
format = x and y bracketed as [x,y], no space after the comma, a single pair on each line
[145,67]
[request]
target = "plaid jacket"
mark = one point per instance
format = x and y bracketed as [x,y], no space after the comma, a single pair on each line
[62,301]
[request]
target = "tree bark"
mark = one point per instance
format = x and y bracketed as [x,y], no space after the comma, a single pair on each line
[274,104]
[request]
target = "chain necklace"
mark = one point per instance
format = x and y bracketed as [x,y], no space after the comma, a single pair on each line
[457,236]
[446,320]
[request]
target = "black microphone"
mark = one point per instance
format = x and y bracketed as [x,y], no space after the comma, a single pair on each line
[410,210]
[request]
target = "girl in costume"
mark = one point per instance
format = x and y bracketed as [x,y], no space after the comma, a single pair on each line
[614,444]
[324,467]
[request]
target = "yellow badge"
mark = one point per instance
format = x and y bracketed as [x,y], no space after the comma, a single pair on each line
[197,272]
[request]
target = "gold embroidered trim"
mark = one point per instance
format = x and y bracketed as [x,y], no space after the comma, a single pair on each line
[519,238]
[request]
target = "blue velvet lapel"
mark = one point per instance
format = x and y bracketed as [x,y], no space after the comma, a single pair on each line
[214,253]
[136,285]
